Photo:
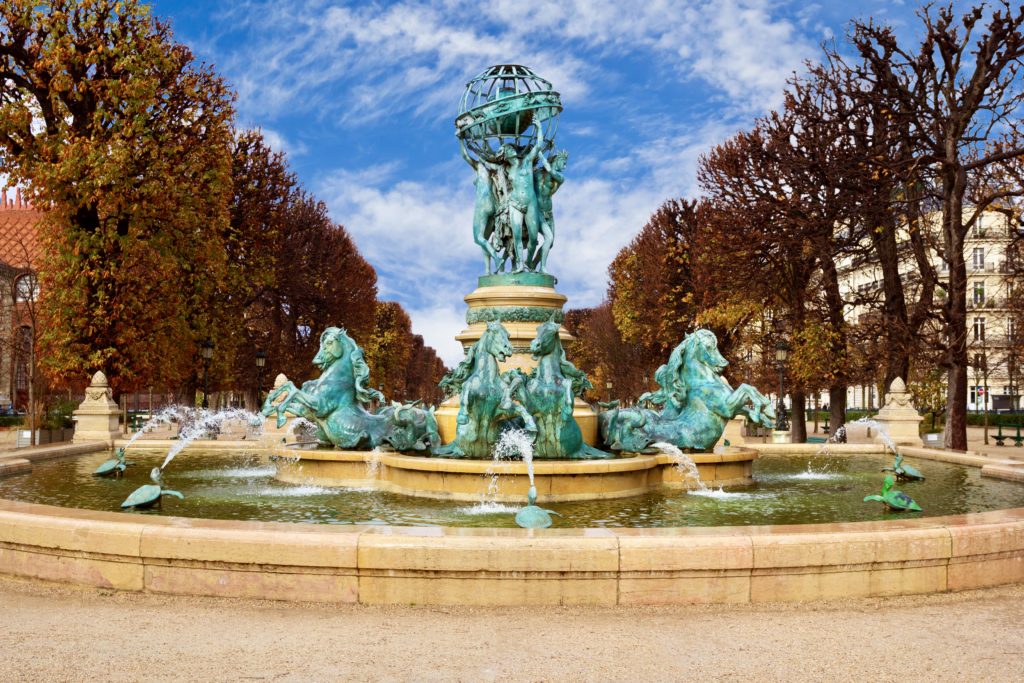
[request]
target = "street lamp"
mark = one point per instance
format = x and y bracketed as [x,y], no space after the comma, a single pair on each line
[608,386]
[207,352]
[781,355]
[261,361]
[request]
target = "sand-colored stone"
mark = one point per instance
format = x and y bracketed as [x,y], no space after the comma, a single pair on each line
[468,480]
[837,545]
[898,417]
[9,466]
[491,550]
[255,583]
[97,417]
[60,567]
[239,543]
[789,586]
[486,591]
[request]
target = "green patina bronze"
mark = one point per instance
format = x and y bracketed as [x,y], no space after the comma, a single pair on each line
[336,403]
[893,499]
[526,279]
[150,494]
[695,400]
[515,314]
[506,127]
[532,516]
[903,472]
[548,393]
[485,397]
[114,467]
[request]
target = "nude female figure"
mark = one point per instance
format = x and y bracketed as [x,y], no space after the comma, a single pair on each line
[485,207]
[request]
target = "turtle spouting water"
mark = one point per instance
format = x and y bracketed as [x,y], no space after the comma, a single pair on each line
[114,467]
[893,499]
[150,494]
[903,472]
[533,517]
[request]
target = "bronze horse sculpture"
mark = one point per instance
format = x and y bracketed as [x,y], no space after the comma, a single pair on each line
[696,402]
[336,403]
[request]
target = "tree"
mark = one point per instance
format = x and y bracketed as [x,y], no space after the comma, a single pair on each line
[956,92]
[111,125]
[389,349]
[651,282]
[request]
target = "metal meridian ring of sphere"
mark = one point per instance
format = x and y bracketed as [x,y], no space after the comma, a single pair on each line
[499,107]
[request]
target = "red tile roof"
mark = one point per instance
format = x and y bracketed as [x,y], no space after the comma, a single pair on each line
[19,234]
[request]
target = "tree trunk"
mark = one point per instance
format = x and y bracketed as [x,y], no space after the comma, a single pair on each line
[798,418]
[837,406]
[956,329]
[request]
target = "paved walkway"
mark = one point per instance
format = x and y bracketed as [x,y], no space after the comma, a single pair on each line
[65,634]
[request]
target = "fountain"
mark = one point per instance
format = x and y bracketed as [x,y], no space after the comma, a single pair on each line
[515,374]
[379,486]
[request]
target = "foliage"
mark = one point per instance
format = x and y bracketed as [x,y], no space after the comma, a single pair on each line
[110,124]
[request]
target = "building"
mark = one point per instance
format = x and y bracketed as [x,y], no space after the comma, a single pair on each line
[20,250]
[994,381]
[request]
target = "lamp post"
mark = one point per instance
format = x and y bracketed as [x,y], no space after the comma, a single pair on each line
[207,351]
[608,386]
[261,361]
[781,355]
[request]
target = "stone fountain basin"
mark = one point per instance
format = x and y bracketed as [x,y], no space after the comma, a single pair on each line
[469,480]
[466,566]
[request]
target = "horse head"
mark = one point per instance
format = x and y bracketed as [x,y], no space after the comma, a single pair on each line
[334,345]
[547,340]
[495,340]
[701,347]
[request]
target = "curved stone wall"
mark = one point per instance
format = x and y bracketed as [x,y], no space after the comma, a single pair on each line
[447,566]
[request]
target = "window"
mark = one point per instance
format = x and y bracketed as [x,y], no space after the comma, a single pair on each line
[979,293]
[979,329]
[24,355]
[978,258]
[26,288]
[973,397]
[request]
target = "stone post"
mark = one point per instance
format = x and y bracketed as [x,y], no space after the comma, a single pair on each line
[898,417]
[97,417]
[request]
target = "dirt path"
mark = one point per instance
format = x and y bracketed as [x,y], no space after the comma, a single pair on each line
[51,633]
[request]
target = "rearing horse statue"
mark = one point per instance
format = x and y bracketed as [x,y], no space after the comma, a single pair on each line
[696,402]
[485,397]
[335,402]
[548,394]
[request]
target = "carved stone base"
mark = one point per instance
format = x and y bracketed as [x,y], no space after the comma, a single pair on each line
[97,417]
[521,308]
[898,417]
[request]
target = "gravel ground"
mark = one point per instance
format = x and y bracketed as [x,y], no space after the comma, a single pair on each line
[57,633]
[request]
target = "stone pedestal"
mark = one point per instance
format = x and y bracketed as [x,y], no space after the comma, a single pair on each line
[733,432]
[97,417]
[781,436]
[899,418]
[521,301]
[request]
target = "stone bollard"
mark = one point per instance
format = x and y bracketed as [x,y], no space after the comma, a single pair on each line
[898,417]
[97,417]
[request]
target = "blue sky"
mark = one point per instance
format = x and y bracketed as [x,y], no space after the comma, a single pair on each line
[362,97]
